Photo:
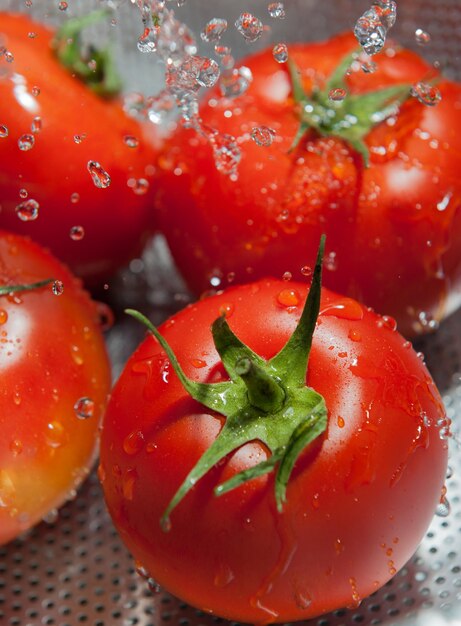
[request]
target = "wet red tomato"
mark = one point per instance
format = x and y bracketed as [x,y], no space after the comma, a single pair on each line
[360,497]
[394,227]
[55,380]
[76,172]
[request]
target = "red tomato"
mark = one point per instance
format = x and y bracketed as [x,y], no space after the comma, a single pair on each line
[393,228]
[360,497]
[55,379]
[73,127]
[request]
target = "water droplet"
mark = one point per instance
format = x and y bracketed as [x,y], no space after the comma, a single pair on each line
[288,297]
[340,421]
[369,67]
[280,52]
[9,57]
[74,198]
[3,317]
[331,262]
[128,483]
[23,193]
[249,26]
[235,82]
[198,363]
[306,270]
[36,125]
[222,51]
[208,73]
[226,153]
[443,508]
[165,524]
[337,95]
[354,335]
[287,276]
[427,94]
[214,30]
[449,473]
[100,177]
[62,6]
[141,570]
[26,142]
[35,91]
[140,186]
[276,10]
[133,443]
[105,316]
[153,585]
[56,435]
[422,37]
[79,138]
[223,576]
[28,211]
[226,309]
[370,32]
[57,287]
[263,135]
[51,517]
[77,233]
[387,12]
[131,141]
[3,131]
[84,408]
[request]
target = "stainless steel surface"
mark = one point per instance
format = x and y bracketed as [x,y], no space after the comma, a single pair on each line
[76,570]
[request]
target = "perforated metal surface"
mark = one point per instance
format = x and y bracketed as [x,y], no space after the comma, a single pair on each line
[76,570]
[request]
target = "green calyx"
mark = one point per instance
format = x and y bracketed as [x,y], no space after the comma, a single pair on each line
[96,68]
[266,401]
[6,290]
[350,118]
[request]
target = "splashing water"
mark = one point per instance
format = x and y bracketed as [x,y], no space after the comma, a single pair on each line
[371,28]
[427,94]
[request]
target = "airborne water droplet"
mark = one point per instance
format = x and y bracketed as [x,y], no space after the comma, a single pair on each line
[57,287]
[28,211]
[36,125]
[140,186]
[26,142]
[337,95]
[84,408]
[100,177]
[3,131]
[422,37]
[263,135]
[9,57]
[276,10]
[236,82]
[427,94]
[77,233]
[280,53]
[249,26]
[214,30]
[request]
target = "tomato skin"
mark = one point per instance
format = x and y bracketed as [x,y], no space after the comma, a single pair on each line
[359,500]
[52,354]
[54,172]
[389,244]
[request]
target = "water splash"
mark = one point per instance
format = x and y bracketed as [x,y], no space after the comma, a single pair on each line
[372,27]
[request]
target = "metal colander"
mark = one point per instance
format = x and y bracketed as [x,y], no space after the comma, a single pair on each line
[74,569]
